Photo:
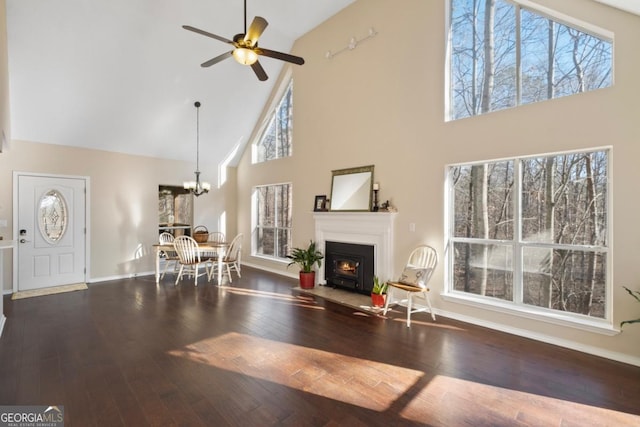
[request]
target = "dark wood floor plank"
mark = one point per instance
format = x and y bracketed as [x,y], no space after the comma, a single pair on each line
[258,352]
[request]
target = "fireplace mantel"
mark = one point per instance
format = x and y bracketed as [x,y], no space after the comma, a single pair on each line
[365,228]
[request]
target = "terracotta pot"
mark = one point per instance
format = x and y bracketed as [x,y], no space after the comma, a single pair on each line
[307,280]
[377,300]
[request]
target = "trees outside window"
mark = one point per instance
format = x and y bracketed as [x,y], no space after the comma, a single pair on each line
[503,55]
[272,218]
[532,232]
[276,137]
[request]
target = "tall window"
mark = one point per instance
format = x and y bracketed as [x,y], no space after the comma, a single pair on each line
[272,218]
[532,233]
[276,137]
[504,55]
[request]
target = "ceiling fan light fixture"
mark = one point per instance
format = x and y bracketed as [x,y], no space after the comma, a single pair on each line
[245,56]
[245,46]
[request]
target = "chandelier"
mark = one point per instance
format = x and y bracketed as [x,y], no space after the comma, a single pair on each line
[196,187]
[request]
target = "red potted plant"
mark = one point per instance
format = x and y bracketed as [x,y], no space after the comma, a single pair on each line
[378,292]
[306,258]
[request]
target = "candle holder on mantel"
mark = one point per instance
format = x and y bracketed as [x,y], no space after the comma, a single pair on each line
[376,188]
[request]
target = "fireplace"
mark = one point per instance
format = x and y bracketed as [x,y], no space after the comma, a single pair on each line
[374,229]
[349,266]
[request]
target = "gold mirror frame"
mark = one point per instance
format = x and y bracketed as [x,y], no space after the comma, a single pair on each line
[351,189]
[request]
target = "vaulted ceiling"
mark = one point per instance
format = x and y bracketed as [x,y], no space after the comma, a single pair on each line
[632,6]
[122,75]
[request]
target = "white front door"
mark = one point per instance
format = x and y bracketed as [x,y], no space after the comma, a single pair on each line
[51,231]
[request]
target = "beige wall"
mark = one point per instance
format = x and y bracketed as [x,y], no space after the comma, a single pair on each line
[4,78]
[123,208]
[383,104]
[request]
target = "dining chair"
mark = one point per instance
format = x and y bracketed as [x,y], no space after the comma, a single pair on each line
[170,255]
[233,256]
[216,237]
[413,282]
[231,259]
[189,258]
[211,256]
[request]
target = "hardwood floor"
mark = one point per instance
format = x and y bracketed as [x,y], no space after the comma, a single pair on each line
[258,353]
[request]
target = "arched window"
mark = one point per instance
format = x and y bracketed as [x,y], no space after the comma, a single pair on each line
[504,54]
[276,137]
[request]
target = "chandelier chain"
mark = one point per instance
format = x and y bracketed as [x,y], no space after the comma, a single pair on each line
[196,187]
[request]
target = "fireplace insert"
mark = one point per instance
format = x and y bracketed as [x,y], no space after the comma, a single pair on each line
[349,266]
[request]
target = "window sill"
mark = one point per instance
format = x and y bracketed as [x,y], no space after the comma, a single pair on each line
[590,325]
[271,258]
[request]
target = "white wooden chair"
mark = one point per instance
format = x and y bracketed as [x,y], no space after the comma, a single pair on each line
[170,255]
[414,283]
[231,259]
[211,257]
[189,258]
[216,237]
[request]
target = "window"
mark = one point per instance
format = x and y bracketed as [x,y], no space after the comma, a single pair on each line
[272,219]
[503,55]
[276,137]
[532,233]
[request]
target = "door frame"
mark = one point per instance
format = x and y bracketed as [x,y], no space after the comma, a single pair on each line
[87,211]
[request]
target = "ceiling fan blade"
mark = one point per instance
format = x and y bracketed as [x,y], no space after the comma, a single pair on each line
[205,33]
[255,30]
[217,59]
[279,55]
[257,68]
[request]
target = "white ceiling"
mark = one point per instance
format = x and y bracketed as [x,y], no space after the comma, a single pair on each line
[122,75]
[632,6]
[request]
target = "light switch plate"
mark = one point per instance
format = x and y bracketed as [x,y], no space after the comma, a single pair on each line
[3,222]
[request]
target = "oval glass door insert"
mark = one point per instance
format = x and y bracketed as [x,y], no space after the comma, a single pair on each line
[52,216]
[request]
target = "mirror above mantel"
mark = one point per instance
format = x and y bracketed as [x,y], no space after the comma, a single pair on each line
[351,189]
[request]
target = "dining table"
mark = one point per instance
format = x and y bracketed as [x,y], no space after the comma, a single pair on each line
[203,247]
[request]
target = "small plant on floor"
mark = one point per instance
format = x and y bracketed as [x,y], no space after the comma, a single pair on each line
[378,292]
[636,295]
[379,288]
[305,258]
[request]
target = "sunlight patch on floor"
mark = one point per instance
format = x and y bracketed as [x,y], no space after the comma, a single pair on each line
[429,323]
[334,376]
[300,300]
[387,388]
[488,402]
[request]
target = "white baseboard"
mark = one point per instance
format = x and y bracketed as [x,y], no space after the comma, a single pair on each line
[595,351]
[120,277]
[279,272]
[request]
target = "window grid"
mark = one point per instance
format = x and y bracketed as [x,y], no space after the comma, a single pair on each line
[597,254]
[529,56]
[276,138]
[272,217]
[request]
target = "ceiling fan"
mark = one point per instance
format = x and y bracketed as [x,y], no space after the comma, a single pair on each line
[246,50]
